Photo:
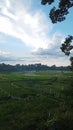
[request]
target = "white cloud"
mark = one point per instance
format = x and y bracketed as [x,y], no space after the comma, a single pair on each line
[4,53]
[53,48]
[18,21]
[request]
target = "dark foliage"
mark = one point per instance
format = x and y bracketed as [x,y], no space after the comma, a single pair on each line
[32,67]
[58,15]
[66,46]
[71,59]
[47,1]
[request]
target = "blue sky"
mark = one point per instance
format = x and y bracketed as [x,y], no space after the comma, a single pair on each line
[27,35]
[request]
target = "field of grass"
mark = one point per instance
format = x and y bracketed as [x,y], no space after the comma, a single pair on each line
[36,101]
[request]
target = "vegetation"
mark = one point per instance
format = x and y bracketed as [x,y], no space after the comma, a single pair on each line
[36,101]
[58,15]
[67,47]
[6,68]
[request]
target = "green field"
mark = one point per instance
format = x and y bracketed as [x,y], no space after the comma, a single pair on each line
[36,101]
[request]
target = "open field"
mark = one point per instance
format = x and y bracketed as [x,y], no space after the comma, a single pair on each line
[36,101]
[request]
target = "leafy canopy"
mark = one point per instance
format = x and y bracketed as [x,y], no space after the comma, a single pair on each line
[59,15]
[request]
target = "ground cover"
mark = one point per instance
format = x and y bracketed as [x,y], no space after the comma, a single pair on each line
[36,101]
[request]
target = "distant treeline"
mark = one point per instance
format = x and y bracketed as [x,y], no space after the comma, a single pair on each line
[31,67]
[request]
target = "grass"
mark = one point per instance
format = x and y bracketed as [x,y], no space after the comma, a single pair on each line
[36,101]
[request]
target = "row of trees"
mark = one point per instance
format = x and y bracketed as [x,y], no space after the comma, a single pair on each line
[31,67]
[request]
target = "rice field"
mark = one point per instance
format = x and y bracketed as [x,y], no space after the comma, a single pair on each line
[36,101]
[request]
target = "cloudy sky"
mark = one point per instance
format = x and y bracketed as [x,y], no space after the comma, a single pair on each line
[27,35]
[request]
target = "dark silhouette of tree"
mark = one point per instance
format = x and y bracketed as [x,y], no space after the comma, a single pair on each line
[6,68]
[59,15]
[67,47]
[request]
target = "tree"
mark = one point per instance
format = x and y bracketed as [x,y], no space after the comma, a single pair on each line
[59,15]
[67,47]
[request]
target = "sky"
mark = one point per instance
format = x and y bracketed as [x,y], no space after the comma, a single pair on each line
[27,35]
